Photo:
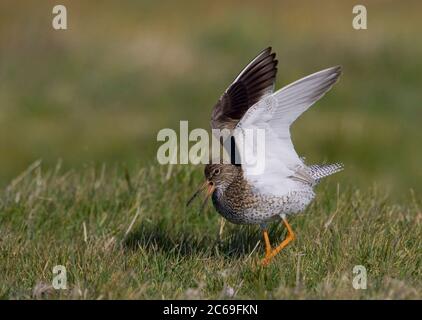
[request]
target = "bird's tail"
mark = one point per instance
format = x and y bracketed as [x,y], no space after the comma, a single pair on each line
[317,171]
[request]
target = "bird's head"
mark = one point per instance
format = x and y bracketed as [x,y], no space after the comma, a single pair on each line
[217,177]
[214,174]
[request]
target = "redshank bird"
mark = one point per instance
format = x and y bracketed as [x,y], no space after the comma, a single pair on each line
[285,186]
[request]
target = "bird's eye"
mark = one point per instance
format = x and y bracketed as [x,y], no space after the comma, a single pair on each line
[216,171]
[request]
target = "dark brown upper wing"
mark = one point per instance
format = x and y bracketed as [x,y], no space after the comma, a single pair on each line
[255,80]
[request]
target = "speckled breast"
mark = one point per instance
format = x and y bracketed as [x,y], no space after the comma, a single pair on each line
[259,208]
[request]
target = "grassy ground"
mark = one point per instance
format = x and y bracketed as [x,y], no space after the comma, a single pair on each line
[99,92]
[129,235]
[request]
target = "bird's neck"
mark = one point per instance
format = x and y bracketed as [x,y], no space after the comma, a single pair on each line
[234,176]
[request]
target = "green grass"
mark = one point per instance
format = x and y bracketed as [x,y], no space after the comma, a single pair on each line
[99,93]
[142,242]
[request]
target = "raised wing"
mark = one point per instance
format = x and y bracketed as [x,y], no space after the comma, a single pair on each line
[254,82]
[275,113]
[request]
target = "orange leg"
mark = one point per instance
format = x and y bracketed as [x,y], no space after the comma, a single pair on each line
[271,253]
[267,244]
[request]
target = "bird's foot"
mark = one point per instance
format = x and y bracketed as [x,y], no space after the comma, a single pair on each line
[266,261]
[271,253]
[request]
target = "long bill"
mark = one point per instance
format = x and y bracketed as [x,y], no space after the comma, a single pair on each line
[210,189]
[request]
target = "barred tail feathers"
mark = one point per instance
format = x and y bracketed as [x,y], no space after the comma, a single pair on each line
[317,172]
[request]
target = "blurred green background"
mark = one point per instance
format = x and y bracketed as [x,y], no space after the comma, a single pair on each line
[101,90]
